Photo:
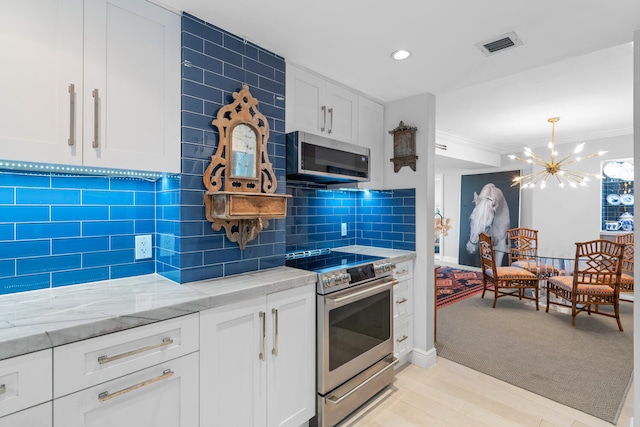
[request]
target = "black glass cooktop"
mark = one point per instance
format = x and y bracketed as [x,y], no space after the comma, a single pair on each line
[321,261]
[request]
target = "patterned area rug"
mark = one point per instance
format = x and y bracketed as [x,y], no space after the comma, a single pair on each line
[455,284]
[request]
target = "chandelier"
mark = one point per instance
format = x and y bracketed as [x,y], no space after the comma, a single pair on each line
[554,168]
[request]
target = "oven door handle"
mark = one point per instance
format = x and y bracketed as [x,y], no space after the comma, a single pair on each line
[360,294]
[336,400]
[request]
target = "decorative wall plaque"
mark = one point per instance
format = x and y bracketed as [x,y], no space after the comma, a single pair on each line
[404,147]
[240,181]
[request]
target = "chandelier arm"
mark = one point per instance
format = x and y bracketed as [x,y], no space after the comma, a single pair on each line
[527,179]
[533,161]
[538,158]
[567,157]
[580,159]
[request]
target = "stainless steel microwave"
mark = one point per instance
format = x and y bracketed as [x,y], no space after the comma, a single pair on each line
[323,160]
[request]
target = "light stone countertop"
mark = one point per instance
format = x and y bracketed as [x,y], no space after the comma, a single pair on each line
[37,320]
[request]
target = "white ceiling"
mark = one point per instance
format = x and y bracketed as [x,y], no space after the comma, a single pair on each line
[576,61]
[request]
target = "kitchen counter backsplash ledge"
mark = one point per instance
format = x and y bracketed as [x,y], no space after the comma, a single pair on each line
[41,319]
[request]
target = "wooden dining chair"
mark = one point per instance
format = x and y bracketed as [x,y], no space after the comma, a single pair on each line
[505,281]
[626,278]
[595,281]
[523,251]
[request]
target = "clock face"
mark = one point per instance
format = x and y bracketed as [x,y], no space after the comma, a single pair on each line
[244,149]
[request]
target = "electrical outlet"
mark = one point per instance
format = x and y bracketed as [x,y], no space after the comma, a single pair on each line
[343,229]
[144,247]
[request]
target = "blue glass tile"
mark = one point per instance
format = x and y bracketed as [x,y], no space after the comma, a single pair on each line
[122,242]
[79,213]
[24,213]
[106,228]
[195,105]
[131,212]
[193,25]
[223,83]
[202,243]
[6,232]
[192,135]
[220,256]
[271,262]
[233,43]
[193,182]
[204,62]
[80,182]
[257,251]
[239,267]
[98,259]
[272,60]
[170,273]
[26,266]
[233,72]
[404,228]
[145,226]
[406,246]
[11,179]
[197,121]
[7,268]
[201,273]
[133,184]
[79,245]
[99,197]
[171,213]
[223,54]
[65,278]
[47,230]
[193,73]
[144,198]
[192,259]
[9,250]
[404,210]
[6,196]
[192,42]
[24,283]
[137,269]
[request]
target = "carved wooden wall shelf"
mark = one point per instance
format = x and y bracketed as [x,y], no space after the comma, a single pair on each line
[240,181]
[404,147]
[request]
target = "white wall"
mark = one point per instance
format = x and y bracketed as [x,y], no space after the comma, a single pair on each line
[418,111]
[562,216]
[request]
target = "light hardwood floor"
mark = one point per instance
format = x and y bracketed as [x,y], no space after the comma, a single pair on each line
[450,394]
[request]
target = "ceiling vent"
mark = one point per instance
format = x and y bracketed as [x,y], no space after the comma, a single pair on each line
[500,43]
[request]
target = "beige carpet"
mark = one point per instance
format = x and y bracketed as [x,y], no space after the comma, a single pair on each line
[589,367]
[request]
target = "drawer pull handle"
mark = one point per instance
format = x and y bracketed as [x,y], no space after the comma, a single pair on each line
[72,114]
[404,337]
[263,337]
[104,396]
[324,117]
[402,272]
[402,301]
[106,359]
[331,125]
[275,350]
[96,118]
[3,388]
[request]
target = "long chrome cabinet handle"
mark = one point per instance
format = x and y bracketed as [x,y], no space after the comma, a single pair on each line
[3,388]
[96,118]
[104,396]
[324,117]
[263,347]
[106,359]
[401,301]
[330,120]
[336,401]
[274,312]
[72,114]
[404,337]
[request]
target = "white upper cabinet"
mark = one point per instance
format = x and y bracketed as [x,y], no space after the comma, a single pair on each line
[320,107]
[94,83]
[371,135]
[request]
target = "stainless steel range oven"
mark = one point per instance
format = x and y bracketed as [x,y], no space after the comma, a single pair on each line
[354,329]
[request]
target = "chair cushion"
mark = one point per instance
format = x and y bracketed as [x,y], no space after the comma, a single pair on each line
[532,266]
[626,283]
[566,282]
[505,273]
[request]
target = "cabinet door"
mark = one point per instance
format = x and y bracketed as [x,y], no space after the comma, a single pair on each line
[25,381]
[305,109]
[291,369]
[38,416]
[132,86]
[164,395]
[41,56]
[371,135]
[233,364]
[342,114]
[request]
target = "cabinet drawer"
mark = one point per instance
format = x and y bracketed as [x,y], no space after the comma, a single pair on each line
[403,270]
[38,416]
[86,363]
[403,337]
[25,381]
[164,395]
[402,299]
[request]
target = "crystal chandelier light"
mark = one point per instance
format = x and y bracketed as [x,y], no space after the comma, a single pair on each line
[553,167]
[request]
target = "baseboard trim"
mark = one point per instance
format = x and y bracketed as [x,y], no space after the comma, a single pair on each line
[423,359]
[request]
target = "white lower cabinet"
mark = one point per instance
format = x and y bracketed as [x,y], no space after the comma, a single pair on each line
[403,312]
[257,361]
[140,377]
[165,395]
[25,381]
[38,416]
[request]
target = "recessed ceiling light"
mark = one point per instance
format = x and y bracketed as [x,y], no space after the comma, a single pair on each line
[400,54]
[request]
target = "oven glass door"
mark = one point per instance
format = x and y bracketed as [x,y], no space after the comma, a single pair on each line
[355,332]
[358,327]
